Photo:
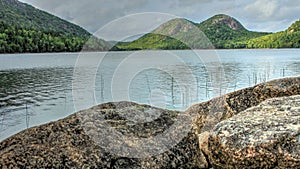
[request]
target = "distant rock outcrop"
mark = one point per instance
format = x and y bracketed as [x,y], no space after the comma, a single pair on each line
[228,21]
[129,135]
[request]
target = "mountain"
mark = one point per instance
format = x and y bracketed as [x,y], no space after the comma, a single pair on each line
[219,31]
[290,38]
[174,34]
[23,28]
[15,13]
[222,30]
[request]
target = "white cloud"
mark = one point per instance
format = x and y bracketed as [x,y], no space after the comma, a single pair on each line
[263,9]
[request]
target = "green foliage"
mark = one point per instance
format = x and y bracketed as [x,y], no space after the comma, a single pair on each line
[152,41]
[18,14]
[18,40]
[285,39]
[24,28]
[295,27]
[224,30]
[175,34]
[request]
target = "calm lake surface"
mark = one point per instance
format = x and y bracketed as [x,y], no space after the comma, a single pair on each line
[39,88]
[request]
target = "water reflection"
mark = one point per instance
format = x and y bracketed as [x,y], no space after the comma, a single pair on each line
[31,92]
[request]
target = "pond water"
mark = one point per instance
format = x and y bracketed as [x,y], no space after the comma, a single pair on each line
[39,88]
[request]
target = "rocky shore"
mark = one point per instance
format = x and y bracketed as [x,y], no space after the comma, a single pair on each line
[256,127]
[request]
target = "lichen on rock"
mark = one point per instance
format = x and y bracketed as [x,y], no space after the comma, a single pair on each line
[264,136]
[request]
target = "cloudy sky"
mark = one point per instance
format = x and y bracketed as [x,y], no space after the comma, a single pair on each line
[258,15]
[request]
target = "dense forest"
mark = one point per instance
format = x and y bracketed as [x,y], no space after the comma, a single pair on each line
[22,15]
[14,39]
[18,40]
[152,41]
[223,30]
[289,38]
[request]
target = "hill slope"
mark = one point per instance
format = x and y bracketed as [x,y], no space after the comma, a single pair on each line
[24,28]
[218,31]
[15,13]
[222,30]
[174,34]
[289,38]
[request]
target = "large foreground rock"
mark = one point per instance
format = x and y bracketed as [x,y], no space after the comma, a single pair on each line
[265,136]
[128,135]
[111,135]
[206,115]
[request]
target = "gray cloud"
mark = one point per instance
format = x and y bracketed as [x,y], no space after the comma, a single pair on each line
[259,15]
[269,15]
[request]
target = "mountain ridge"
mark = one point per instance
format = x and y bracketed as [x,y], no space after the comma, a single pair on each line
[220,30]
[24,28]
[29,17]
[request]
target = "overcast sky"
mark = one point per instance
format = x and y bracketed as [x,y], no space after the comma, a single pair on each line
[258,15]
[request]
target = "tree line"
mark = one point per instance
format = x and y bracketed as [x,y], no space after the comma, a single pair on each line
[20,40]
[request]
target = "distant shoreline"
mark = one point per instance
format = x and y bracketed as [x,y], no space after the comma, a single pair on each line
[66,52]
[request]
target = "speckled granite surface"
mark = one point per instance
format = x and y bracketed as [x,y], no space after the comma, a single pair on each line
[265,136]
[83,141]
[206,115]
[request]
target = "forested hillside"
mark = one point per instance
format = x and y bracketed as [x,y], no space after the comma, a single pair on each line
[289,38]
[24,28]
[221,30]
[175,34]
